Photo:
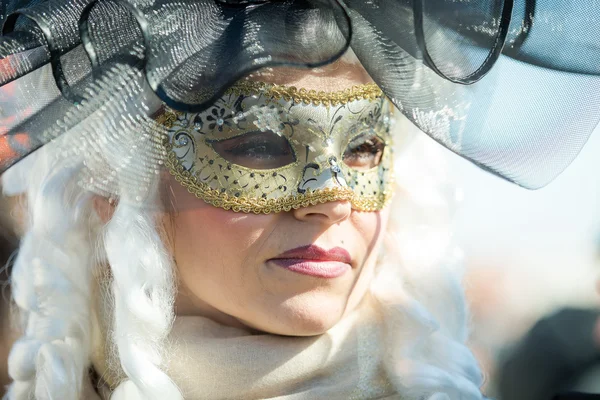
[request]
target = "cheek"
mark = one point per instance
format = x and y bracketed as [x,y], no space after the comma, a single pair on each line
[210,242]
[371,227]
[215,250]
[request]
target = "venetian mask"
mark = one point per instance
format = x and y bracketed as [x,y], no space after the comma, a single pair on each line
[266,148]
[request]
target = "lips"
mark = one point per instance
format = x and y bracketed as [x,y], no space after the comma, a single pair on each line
[315,261]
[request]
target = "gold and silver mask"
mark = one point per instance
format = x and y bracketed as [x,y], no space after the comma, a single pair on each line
[265,148]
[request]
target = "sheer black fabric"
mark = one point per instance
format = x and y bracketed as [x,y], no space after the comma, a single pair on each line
[527,112]
[512,85]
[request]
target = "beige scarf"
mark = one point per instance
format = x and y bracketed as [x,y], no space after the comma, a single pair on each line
[211,361]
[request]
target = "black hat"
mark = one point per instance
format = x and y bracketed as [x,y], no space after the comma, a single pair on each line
[511,85]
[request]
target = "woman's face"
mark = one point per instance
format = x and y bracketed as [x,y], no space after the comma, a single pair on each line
[289,273]
[228,265]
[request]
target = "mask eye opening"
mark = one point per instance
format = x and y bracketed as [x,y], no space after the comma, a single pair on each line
[364,152]
[258,150]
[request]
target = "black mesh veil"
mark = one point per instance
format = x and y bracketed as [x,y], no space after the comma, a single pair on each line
[512,85]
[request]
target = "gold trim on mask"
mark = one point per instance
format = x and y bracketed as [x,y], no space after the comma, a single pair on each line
[291,93]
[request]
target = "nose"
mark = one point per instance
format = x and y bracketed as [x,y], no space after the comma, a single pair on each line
[329,213]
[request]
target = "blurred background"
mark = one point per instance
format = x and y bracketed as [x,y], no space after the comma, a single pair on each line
[532,267]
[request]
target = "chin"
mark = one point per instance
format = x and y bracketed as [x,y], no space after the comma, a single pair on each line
[305,315]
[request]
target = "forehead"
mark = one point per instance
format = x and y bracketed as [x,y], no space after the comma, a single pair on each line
[342,74]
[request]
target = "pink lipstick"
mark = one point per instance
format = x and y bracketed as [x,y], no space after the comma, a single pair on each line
[314,261]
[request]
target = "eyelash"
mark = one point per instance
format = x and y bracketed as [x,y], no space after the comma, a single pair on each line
[374,148]
[269,149]
[260,150]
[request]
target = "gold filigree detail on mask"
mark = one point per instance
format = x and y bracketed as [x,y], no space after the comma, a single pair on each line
[166,119]
[291,93]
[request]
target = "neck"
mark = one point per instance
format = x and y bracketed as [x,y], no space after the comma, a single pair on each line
[188,305]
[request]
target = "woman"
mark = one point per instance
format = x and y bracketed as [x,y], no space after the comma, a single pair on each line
[235,280]
[193,238]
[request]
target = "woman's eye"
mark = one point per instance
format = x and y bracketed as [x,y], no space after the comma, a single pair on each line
[364,152]
[257,150]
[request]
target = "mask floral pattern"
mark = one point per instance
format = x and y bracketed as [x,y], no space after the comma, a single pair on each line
[264,148]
